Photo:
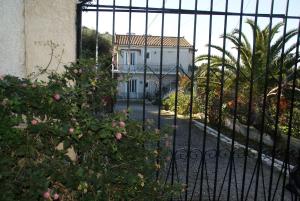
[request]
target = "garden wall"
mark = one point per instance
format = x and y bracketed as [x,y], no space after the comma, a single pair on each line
[12,43]
[254,134]
[31,29]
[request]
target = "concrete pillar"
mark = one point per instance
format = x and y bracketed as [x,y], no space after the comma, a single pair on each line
[50,33]
[35,32]
[12,39]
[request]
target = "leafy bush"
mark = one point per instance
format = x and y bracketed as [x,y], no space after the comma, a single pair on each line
[57,142]
[183,103]
[295,129]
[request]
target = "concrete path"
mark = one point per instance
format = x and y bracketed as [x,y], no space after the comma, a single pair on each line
[225,188]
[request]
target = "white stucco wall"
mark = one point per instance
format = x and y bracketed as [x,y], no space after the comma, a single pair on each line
[50,22]
[28,30]
[169,56]
[12,44]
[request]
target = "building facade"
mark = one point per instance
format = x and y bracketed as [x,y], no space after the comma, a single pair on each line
[129,64]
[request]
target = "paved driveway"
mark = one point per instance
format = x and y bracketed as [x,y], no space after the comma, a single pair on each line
[226,165]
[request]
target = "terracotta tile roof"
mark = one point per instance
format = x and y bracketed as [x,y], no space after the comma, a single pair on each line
[139,40]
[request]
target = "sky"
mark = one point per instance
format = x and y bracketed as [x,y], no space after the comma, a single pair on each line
[187,21]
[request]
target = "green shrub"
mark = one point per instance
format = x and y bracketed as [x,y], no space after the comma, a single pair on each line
[57,142]
[183,103]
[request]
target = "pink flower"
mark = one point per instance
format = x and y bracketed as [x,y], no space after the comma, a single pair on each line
[104,103]
[118,136]
[46,194]
[56,97]
[122,124]
[34,122]
[55,196]
[71,130]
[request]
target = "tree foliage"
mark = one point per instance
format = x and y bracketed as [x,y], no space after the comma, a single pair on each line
[89,46]
[258,66]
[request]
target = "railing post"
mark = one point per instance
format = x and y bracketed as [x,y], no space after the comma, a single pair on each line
[78,29]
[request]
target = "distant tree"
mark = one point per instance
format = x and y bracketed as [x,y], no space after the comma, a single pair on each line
[257,68]
[89,46]
[104,55]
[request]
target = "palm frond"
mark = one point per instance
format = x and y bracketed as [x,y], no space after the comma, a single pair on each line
[255,28]
[227,53]
[277,46]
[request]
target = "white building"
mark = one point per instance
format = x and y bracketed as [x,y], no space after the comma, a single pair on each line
[129,64]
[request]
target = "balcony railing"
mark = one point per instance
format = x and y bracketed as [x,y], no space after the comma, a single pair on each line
[139,68]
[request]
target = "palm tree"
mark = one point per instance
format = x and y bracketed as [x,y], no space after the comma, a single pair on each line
[257,67]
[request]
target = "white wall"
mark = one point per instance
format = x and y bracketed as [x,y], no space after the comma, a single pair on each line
[12,44]
[28,26]
[45,22]
[169,56]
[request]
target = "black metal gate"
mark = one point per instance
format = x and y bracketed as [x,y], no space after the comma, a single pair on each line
[242,144]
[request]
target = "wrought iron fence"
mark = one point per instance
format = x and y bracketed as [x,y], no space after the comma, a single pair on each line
[253,85]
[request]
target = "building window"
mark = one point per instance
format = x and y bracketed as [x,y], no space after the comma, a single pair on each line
[132,86]
[148,55]
[129,60]
[126,58]
[132,58]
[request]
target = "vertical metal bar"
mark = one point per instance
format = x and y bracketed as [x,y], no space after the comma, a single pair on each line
[206,99]
[113,32]
[176,93]
[260,142]
[265,100]
[191,104]
[291,112]
[114,22]
[250,103]
[161,64]
[128,54]
[160,74]
[113,50]
[145,64]
[221,101]
[97,45]
[286,158]
[278,105]
[78,29]
[236,90]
